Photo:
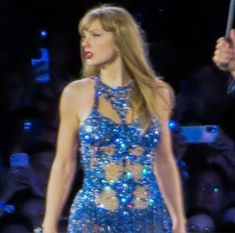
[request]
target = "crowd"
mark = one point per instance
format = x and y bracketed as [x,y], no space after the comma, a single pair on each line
[29,121]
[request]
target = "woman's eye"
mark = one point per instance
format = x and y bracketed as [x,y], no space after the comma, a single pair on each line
[96,35]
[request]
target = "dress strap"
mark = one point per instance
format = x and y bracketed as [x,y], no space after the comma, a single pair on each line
[117,96]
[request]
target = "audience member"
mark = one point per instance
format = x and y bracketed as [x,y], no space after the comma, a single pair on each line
[200,220]
[209,189]
[15,89]
[222,153]
[42,156]
[33,209]
[29,176]
[204,100]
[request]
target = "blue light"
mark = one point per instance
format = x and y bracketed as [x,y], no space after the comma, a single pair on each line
[43,33]
[27,125]
[41,67]
[172,124]
[10,209]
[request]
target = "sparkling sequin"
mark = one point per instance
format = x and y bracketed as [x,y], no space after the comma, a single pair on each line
[120,193]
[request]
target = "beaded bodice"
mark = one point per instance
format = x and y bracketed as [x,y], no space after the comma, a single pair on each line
[117,158]
[120,193]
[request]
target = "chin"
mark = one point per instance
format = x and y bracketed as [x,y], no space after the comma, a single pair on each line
[93,64]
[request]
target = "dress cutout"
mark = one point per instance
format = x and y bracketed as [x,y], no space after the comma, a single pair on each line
[120,193]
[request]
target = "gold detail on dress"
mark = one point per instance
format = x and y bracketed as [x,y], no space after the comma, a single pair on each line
[107,200]
[141,197]
[109,150]
[137,150]
[135,169]
[113,172]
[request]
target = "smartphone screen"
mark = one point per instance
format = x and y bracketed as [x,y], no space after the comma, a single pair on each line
[200,133]
[19,159]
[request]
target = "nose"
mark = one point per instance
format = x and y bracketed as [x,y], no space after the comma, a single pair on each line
[85,43]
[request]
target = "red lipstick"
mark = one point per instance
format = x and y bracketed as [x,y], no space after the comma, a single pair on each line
[88,55]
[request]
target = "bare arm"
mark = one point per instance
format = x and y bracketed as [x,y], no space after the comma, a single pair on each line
[167,172]
[64,165]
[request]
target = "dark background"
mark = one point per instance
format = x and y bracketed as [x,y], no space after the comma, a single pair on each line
[181,33]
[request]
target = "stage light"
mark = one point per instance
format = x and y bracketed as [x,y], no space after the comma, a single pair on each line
[43,33]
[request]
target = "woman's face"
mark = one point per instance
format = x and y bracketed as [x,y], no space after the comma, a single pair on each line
[98,46]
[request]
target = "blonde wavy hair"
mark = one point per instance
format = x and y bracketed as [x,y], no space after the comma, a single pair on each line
[129,39]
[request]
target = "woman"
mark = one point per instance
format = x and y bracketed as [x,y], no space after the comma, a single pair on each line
[121,110]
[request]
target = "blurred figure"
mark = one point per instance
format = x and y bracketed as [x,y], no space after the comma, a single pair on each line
[227,219]
[33,209]
[42,156]
[200,220]
[222,153]
[204,100]
[28,172]
[45,98]
[208,189]
[14,86]
[21,128]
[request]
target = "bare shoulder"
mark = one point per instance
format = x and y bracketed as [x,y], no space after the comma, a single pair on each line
[79,87]
[78,97]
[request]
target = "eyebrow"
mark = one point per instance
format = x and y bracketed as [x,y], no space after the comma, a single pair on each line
[92,30]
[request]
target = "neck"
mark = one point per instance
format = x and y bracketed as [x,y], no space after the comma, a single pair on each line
[114,74]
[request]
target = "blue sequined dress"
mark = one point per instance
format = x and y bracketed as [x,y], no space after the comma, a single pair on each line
[120,193]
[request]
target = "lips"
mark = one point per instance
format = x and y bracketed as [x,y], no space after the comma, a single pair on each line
[88,55]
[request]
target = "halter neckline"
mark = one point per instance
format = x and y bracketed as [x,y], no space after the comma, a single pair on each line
[117,96]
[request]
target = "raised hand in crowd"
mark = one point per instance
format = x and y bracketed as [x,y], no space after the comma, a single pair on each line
[224,54]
